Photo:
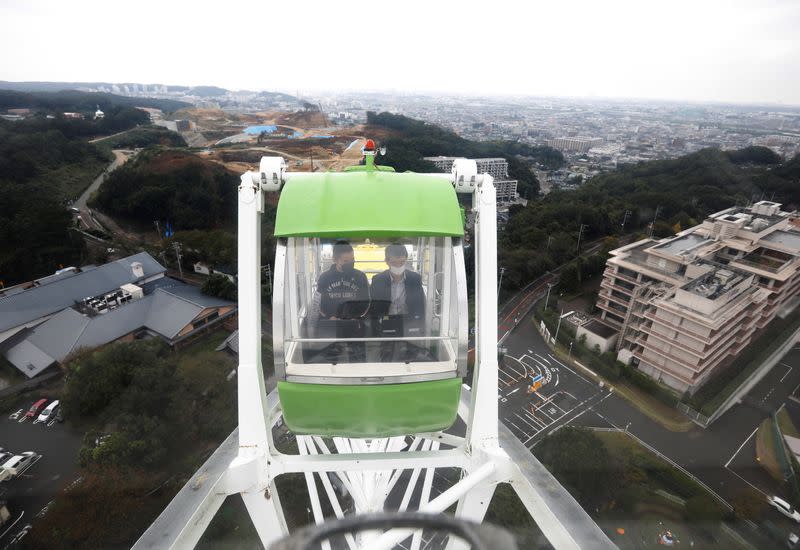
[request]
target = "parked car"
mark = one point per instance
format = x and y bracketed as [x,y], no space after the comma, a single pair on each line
[16,465]
[784,508]
[4,456]
[36,408]
[49,413]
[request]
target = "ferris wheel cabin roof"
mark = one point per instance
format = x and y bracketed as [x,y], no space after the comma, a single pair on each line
[367,201]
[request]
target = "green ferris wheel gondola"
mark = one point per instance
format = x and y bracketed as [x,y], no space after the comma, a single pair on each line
[364,373]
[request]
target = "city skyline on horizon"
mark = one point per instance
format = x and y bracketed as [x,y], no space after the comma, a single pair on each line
[715,51]
[431,94]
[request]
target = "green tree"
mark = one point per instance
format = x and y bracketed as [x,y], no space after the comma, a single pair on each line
[703,508]
[219,286]
[580,461]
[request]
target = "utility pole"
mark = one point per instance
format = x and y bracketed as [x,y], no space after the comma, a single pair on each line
[625,219]
[163,256]
[580,233]
[547,300]
[549,239]
[653,224]
[558,327]
[176,246]
[500,281]
[158,228]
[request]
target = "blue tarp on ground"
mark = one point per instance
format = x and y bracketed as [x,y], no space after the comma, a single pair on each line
[258,129]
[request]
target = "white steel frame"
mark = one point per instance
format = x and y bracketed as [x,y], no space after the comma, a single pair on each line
[248,462]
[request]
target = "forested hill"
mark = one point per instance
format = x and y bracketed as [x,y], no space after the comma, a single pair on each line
[82,102]
[174,186]
[683,190]
[408,140]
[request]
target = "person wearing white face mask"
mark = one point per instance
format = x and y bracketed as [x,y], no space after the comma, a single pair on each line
[397,305]
[397,291]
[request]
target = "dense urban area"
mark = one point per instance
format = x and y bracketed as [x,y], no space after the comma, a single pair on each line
[649,278]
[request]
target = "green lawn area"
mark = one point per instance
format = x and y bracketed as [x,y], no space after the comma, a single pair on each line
[207,342]
[765,449]
[786,424]
[643,515]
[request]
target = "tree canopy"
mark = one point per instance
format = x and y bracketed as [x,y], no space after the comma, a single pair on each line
[76,101]
[41,168]
[410,140]
[174,186]
[681,191]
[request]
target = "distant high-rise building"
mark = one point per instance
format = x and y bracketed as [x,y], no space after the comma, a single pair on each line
[505,188]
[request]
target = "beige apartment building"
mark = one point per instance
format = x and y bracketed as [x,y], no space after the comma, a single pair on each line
[685,306]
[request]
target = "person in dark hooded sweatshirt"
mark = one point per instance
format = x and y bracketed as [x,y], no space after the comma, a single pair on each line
[342,295]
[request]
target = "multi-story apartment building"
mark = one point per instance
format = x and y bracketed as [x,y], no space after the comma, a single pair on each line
[505,188]
[577,144]
[685,306]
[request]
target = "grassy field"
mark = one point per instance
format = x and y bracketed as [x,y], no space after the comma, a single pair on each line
[649,514]
[765,450]
[786,424]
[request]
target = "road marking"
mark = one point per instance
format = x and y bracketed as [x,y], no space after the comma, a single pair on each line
[579,405]
[750,484]
[543,424]
[577,416]
[740,447]
[547,417]
[14,416]
[545,359]
[515,390]
[526,422]
[523,432]
[580,376]
[787,372]
[515,371]
[13,524]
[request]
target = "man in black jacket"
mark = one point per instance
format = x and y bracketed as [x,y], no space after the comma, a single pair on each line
[343,290]
[397,301]
[339,305]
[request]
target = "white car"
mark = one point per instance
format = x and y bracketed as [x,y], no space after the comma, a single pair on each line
[49,413]
[784,508]
[16,465]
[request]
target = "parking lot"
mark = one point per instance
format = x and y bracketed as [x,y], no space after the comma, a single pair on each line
[564,394]
[55,467]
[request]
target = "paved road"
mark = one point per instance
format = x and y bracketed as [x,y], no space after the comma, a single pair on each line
[119,159]
[29,494]
[721,456]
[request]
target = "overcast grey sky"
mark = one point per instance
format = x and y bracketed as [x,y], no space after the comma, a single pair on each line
[718,50]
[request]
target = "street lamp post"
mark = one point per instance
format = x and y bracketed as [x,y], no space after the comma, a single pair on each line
[580,233]
[558,327]
[547,300]
[570,349]
[500,281]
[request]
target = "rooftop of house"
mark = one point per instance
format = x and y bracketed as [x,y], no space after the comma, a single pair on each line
[53,293]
